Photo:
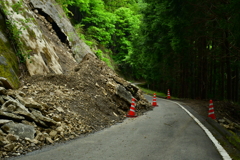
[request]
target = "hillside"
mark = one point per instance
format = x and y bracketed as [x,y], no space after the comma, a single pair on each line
[53,88]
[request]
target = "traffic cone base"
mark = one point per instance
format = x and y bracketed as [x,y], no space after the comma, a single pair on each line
[154,103]
[211,113]
[130,116]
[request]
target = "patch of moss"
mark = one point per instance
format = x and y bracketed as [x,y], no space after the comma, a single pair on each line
[8,64]
[8,60]
[235,140]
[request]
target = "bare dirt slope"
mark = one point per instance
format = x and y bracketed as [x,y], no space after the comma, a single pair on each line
[87,99]
[88,92]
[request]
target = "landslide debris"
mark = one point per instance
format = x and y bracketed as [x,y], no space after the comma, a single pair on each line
[56,108]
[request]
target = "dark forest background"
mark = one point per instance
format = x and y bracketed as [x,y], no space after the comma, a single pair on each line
[188,46]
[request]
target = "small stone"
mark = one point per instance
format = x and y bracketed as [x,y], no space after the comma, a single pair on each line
[35,11]
[4,121]
[32,145]
[30,103]
[221,121]
[2,133]
[34,141]
[9,147]
[226,126]
[3,91]
[49,27]
[48,139]
[53,133]
[1,100]
[57,118]
[12,138]
[3,141]
[60,109]
[58,92]
[25,87]
[6,83]
[16,154]
[60,129]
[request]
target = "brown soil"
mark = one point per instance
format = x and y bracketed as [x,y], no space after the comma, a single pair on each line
[87,92]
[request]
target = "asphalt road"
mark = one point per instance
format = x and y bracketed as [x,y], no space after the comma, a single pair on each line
[166,133]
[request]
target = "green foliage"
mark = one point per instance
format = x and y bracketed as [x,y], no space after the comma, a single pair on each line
[104,57]
[111,6]
[65,4]
[113,24]
[189,46]
[151,92]
[127,24]
[17,7]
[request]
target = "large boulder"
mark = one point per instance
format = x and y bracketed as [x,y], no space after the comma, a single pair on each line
[123,93]
[19,129]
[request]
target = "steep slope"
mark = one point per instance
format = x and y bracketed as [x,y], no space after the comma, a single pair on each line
[44,36]
[66,92]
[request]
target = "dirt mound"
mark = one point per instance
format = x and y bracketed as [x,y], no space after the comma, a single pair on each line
[89,98]
[90,91]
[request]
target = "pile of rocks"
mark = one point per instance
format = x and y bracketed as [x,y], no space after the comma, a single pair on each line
[56,108]
[26,125]
[228,124]
[19,121]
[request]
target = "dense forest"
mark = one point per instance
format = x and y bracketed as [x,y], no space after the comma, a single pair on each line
[190,46]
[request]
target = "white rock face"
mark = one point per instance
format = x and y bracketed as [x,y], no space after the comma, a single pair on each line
[47,36]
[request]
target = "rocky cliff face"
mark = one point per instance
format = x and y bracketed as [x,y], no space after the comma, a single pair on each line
[46,35]
[68,92]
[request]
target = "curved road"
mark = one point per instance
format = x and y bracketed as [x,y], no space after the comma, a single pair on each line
[166,133]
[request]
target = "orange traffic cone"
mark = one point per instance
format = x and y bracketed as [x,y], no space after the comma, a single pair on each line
[131,112]
[168,94]
[154,103]
[211,113]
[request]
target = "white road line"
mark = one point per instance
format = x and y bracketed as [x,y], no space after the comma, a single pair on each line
[220,149]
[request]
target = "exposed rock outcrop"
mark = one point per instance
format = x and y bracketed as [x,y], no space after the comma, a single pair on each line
[46,35]
[8,60]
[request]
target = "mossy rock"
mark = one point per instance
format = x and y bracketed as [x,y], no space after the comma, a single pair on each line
[9,68]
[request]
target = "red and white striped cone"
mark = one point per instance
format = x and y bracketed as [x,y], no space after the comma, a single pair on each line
[131,112]
[154,103]
[211,113]
[168,95]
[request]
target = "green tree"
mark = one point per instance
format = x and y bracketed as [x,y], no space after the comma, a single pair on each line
[190,47]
